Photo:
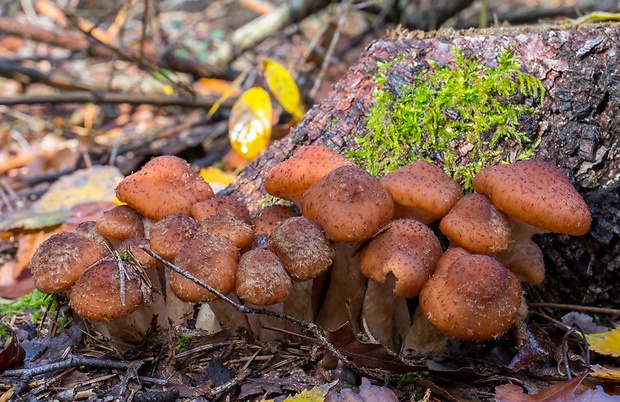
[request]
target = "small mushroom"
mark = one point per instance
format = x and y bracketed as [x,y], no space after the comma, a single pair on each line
[262,279]
[230,227]
[221,205]
[165,185]
[291,178]
[60,260]
[170,234]
[120,223]
[528,264]
[421,191]
[473,298]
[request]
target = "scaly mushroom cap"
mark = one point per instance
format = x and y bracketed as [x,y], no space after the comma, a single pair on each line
[348,204]
[89,230]
[528,264]
[230,227]
[536,193]
[268,217]
[262,279]
[422,191]
[303,248]
[166,185]
[221,205]
[96,295]
[291,178]
[170,234]
[120,223]
[210,258]
[475,224]
[474,298]
[60,260]
[133,245]
[405,247]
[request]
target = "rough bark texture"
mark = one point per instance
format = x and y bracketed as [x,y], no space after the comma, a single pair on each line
[579,126]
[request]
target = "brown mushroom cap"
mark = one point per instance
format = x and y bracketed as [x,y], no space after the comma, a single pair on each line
[474,298]
[348,204]
[475,224]
[302,247]
[422,191]
[89,230]
[536,193]
[120,223]
[166,185]
[528,264]
[96,295]
[221,205]
[210,258]
[170,234]
[268,217]
[291,178]
[405,247]
[132,245]
[60,260]
[230,227]
[262,279]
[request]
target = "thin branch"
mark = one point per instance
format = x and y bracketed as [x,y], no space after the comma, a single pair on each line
[71,361]
[576,307]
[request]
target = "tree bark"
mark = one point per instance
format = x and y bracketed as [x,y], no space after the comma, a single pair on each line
[578,126]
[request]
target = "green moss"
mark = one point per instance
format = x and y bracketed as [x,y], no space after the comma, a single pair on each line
[463,105]
[34,303]
[182,344]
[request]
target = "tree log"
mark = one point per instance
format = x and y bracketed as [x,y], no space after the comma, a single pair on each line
[578,126]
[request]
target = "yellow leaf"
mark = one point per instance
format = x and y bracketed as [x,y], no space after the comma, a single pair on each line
[316,394]
[605,373]
[284,89]
[216,178]
[605,343]
[249,125]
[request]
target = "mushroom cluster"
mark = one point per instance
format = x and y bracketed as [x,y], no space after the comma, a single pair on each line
[352,247]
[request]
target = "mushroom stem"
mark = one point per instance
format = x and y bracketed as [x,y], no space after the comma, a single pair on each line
[125,332]
[423,338]
[346,288]
[386,315]
[521,235]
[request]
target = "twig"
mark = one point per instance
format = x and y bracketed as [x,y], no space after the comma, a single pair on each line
[310,326]
[576,307]
[71,361]
[27,75]
[112,97]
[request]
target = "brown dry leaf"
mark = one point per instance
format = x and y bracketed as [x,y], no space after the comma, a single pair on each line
[561,392]
[368,355]
[13,353]
[367,393]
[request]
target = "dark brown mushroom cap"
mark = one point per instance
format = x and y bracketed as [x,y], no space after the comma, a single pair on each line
[96,295]
[230,227]
[291,178]
[302,247]
[262,279]
[421,191]
[169,235]
[221,205]
[132,245]
[210,258]
[60,260]
[348,204]
[536,193]
[89,230]
[405,247]
[528,264]
[120,223]
[268,217]
[475,224]
[474,298]
[166,185]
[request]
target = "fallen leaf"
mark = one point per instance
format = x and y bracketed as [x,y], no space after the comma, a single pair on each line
[367,393]
[249,125]
[316,394]
[605,373]
[13,354]
[284,89]
[605,343]
[560,392]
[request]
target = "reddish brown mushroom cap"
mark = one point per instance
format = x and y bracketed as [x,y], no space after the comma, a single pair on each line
[210,258]
[422,191]
[268,217]
[474,298]
[170,234]
[230,227]
[528,264]
[166,185]
[262,279]
[291,178]
[221,205]
[302,246]
[475,224]
[96,295]
[348,204]
[536,193]
[60,260]
[405,247]
[120,223]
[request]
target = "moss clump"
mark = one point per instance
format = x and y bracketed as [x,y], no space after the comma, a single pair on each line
[464,105]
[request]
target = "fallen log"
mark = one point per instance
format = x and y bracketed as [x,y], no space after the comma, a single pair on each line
[578,126]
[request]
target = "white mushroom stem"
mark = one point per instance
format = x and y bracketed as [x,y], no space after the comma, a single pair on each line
[423,338]
[386,315]
[229,318]
[346,288]
[255,320]
[521,234]
[124,333]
